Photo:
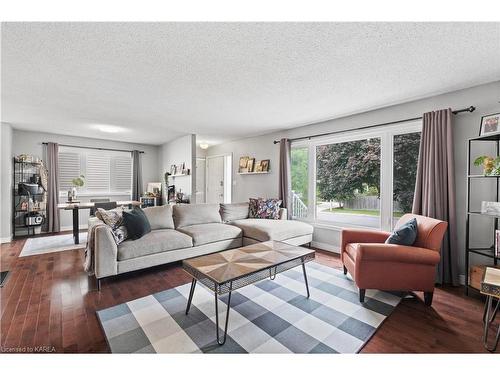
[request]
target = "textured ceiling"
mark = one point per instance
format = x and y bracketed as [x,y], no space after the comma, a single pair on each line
[229,80]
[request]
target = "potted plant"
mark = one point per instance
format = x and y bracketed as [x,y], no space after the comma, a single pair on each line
[77,182]
[491,165]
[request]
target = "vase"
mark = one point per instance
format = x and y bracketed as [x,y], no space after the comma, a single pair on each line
[74,194]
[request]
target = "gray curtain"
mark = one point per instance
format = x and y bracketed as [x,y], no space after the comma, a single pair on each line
[52,222]
[435,186]
[285,182]
[136,175]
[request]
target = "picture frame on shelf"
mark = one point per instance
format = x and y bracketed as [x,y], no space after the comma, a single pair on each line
[243,166]
[250,164]
[264,164]
[490,124]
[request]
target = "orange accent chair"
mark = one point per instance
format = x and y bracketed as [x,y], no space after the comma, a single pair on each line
[373,264]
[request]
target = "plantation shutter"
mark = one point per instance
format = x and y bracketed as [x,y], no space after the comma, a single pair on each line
[98,172]
[69,168]
[121,173]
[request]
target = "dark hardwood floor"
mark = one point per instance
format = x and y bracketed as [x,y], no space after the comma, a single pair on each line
[49,304]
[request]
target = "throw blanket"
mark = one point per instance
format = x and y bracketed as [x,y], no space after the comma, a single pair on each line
[89,261]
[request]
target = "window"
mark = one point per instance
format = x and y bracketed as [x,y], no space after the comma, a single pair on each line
[357,178]
[105,171]
[348,183]
[300,182]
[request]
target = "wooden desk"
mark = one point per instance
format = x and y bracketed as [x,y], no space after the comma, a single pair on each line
[76,207]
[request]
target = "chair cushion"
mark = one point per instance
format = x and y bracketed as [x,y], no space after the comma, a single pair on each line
[193,214]
[406,234]
[156,241]
[268,229]
[160,217]
[208,233]
[234,211]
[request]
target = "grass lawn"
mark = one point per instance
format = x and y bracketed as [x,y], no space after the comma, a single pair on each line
[359,212]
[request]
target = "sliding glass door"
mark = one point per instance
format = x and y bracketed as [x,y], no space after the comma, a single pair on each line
[356,179]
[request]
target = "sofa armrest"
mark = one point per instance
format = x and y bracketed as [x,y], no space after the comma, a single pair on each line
[373,252]
[283,214]
[361,236]
[105,252]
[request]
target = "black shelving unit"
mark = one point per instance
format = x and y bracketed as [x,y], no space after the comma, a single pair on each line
[484,252]
[23,171]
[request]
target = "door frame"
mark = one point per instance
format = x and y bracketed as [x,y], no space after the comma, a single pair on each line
[204,158]
[229,188]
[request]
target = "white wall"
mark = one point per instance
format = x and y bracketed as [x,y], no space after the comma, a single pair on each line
[178,151]
[26,142]
[484,97]
[260,148]
[5,182]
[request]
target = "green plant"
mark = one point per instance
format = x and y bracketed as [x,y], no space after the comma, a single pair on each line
[491,165]
[79,181]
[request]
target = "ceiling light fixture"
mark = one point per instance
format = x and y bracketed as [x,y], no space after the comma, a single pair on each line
[109,128]
[203,146]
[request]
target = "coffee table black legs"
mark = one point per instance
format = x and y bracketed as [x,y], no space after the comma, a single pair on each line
[217,318]
[191,292]
[305,279]
[489,315]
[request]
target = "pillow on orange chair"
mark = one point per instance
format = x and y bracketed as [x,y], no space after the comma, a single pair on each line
[405,234]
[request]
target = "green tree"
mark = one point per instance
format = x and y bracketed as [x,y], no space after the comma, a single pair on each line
[346,168]
[299,169]
[406,148]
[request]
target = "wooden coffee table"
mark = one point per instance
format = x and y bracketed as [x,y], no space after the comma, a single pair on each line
[229,270]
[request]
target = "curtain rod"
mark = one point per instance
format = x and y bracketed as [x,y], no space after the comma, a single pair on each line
[470,109]
[95,148]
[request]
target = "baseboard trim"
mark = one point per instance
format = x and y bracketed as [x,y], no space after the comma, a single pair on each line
[326,246]
[6,239]
[70,227]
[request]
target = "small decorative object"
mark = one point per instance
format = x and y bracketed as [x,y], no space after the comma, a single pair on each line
[491,165]
[171,193]
[265,165]
[24,206]
[77,182]
[490,124]
[490,208]
[243,164]
[250,164]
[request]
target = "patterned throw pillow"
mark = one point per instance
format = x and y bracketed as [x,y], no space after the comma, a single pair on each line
[265,208]
[114,219]
[253,207]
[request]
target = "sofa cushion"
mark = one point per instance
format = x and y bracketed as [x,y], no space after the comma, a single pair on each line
[213,232]
[264,208]
[156,241]
[278,230]
[160,217]
[193,214]
[136,222]
[234,211]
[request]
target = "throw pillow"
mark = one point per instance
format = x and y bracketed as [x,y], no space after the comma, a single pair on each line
[268,209]
[405,234]
[120,234]
[253,207]
[112,218]
[136,222]
[233,211]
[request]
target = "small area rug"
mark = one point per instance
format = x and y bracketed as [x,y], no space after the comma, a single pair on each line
[51,244]
[272,316]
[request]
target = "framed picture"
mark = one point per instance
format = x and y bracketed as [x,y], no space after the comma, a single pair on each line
[490,208]
[490,124]
[264,165]
[243,164]
[172,169]
[258,168]
[250,165]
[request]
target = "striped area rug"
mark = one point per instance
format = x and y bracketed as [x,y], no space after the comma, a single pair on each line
[272,316]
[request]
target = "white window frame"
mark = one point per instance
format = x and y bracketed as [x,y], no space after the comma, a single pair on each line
[386,135]
[83,192]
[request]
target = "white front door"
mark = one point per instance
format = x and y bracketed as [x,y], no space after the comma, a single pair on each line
[200,180]
[215,179]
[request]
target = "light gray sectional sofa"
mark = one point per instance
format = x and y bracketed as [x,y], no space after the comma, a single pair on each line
[185,231]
